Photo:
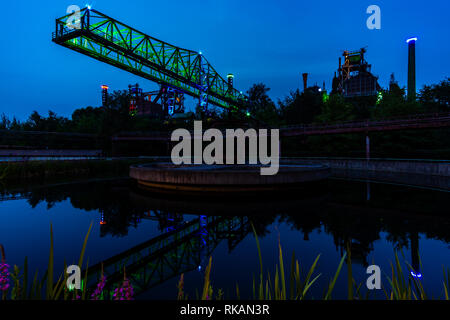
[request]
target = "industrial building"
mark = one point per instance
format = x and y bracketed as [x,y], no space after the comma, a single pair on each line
[157,104]
[354,76]
[160,104]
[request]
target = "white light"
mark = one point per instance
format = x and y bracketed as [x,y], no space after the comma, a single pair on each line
[200,53]
[411,39]
[88,6]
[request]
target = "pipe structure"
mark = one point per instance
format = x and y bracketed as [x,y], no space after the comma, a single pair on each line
[411,68]
[305,81]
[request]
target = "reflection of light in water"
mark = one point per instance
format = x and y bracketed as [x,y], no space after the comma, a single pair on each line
[102,219]
[169,229]
[203,233]
[203,224]
[415,259]
[203,221]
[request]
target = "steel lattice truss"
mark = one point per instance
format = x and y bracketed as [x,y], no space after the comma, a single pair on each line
[171,254]
[115,43]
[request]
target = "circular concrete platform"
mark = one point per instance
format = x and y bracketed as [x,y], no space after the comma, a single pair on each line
[225,178]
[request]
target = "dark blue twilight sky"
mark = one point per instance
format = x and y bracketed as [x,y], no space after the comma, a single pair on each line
[258,40]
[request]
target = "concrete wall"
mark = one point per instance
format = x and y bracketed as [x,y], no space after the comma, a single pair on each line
[427,167]
[49,153]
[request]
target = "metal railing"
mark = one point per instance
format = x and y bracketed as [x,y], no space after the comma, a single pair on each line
[399,121]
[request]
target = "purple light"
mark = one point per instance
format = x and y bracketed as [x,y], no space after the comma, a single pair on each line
[418,275]
[411,39]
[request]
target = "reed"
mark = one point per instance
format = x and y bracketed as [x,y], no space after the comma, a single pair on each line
[283,285]
[402,286]
[22,290]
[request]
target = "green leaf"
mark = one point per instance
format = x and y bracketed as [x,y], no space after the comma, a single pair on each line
[25,279]
[282,277]
[83,249]
[50,267]
[333,282]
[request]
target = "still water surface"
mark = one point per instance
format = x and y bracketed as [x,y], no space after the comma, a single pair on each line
[176,235]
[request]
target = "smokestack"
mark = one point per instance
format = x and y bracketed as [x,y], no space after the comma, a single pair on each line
[305,81]
[230,78]
[411,68]
[104,95]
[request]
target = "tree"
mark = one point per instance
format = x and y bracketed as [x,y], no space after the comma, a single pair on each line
[395,104]
[336,109]
[436,98]
[88,120]
[5,123]
[301,108]
[106,120]
[261,106]
[52,123]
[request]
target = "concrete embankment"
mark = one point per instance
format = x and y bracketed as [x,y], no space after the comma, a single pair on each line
[428,167]
[225,178]
[41,153]
[22,171]
[428,173]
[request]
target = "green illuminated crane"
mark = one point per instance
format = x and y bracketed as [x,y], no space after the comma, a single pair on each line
[106,39]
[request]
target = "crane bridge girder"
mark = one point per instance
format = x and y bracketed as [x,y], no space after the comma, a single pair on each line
[110,41]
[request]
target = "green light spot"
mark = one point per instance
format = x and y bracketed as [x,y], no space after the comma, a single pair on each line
[379,97]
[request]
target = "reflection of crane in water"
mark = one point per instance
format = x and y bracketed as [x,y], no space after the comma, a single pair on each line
[167,221]
[415,259]
[8,197]
[359,252]
[182,249]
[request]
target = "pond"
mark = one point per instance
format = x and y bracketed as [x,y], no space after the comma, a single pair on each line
[158,237]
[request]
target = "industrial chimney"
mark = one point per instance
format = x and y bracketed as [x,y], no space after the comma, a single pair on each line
[230,78]
[411,68]
[305,81]
[104,95]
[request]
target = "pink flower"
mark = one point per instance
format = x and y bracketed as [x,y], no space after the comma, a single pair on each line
[4,277]
[124,292]
[98,291]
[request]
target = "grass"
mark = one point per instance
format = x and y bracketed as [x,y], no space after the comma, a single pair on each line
[402,286]
[44,288]
[294,285]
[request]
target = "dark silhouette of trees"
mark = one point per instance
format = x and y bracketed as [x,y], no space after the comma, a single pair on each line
[51,123]
[436,98]
[307,107]
[395,104]
[301,108]
[261,106]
